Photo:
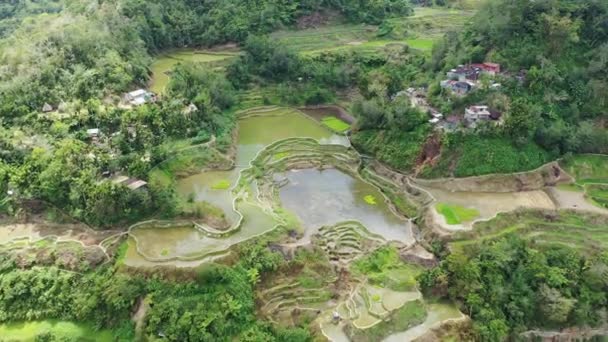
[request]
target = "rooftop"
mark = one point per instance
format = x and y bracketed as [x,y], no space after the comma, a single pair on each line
[138,93]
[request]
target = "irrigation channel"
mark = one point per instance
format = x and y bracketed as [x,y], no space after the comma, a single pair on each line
[290,172]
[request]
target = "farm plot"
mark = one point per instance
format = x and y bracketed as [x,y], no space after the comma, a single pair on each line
[164,63]
[419,32]
[583,231]
[591,177]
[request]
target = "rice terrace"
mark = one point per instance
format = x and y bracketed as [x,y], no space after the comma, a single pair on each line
[393,170]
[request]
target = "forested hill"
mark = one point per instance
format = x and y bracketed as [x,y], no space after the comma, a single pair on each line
[92,49]
[562,48]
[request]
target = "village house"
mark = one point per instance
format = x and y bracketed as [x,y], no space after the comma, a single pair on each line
[93,132]
[475,114]
[131,183]
[47,108]
[139,97]
[457,87]
[464,78]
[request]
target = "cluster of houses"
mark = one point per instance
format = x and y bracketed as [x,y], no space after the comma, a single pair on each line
[473,115]
[134,98]
[465,78]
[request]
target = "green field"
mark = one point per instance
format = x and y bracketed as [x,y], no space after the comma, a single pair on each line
[590,174]
[164,63]
[587,168]
[62,330]
[585,232]
[421,44]
[419,31]
[335,124]
[455,214]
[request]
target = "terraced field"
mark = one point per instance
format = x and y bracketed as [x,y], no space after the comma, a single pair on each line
[419,31]
[163,64]
[591,177]
[584,231]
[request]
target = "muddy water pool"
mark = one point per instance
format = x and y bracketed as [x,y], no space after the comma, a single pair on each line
[321,198]
[255,133]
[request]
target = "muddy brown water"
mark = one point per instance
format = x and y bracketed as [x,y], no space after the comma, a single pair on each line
[326,197]
[321,112]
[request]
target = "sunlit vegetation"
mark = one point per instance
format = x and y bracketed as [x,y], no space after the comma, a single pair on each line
[335,124]
[163,65]
[370,199]
[421,44]
[384,267]
[280,155]
[68,135]
[50,329]
[221,185]
[455,214]
[509,284]
[462,154]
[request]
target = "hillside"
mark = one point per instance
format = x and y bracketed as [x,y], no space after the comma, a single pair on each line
[270,170]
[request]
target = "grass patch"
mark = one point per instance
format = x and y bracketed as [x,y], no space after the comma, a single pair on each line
[164,252]
[463,152]
[221,185]
[163,64]
[411,314]
[421,44]
[280,155]
[121,253]
[370,199]
[396,148]
[384,268]
[61,330]
[586,168]
[335,124]
[591,176]
[402,204]
[455,214]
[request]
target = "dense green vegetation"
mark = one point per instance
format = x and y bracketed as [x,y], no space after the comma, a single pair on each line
[560,102]
[61,330]
[217,300]
[384,267]
[65,65]
[509,285]
[67,173]
[461,155]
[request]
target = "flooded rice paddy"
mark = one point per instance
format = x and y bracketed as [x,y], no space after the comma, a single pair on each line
[489,204]
[326,197]
[182,246]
